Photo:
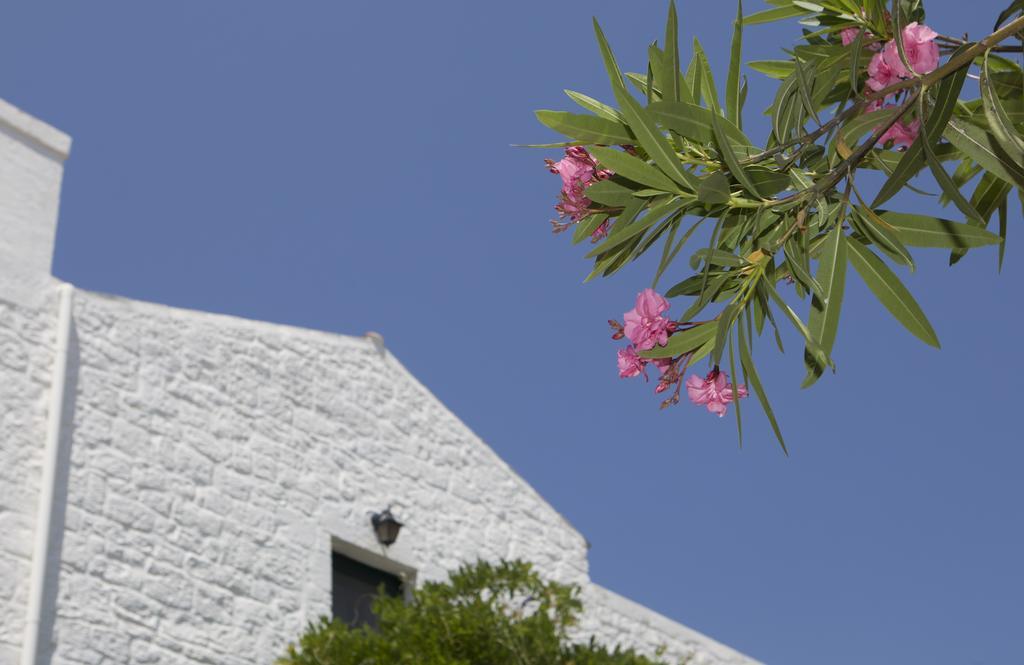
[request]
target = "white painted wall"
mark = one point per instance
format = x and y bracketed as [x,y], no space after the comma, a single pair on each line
[210,463]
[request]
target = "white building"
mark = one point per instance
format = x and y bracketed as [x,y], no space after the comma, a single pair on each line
[173,483]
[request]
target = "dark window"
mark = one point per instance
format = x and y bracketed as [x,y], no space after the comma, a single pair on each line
[354,586]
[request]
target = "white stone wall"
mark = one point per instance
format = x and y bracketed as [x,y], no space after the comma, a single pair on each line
[213,459]
[26,356]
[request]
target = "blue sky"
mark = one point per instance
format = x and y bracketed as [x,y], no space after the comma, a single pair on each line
[346,167]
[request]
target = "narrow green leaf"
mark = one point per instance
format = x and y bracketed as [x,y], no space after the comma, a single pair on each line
[671,85]
[694,122]
[726,151]
[812,345]
[998,119]
[714,189]
[776,69]
[777,14]
[895,297]
[694,79]
[795,261]
[725,321]
[1002,233]
[782,123]
[823,320]
[732,83]
[587,226]
[983,148]
[875,229]
[635,169]
[736,382]
[631,230]
[667,260]
[587,128]
[707,79]
[600,108]
[947,184]
[925,231]
[805,91]
[610,193]
[750,372]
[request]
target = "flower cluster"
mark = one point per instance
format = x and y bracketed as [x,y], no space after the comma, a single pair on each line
[579,170]
[887,67]
[646,327]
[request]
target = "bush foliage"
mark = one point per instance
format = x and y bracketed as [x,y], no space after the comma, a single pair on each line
[485,614]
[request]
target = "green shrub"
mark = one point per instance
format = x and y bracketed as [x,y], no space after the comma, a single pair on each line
[486,614]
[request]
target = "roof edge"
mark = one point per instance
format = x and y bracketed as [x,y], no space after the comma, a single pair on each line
[34,131]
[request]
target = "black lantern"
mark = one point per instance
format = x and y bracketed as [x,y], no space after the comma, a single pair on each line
[386,527]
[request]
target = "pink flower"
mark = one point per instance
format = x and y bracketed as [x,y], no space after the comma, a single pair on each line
[880,74]
[662,364]
[714,390]
[849,35]
[921,50]
[644,324]
[630,364]
[901,134]
[578,170]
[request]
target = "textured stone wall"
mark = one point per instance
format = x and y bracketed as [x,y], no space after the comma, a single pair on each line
[215,460]
[26,357]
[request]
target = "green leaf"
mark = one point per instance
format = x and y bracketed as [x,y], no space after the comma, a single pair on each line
[714,189]
[610,193]
[667,259]
[776,69]
[1015,6]
[823,320]
[633,168]
[629,231]
[998,118]
[782,121]
[947,184]
[693,80]
[887,287]
[910,163]
[875,229]
[587,225]
[750,372]
[768,182]
[924,231]
[804,88]
[726,151]
[587,128]
[732,82]
[1002,232]
[795,260]
[777,14]
[812,345]
[716,257]
[725,321]
[683,341]
[600,108]
[983,148]
[673,74]
[707,79]
[736,379]
[694,122]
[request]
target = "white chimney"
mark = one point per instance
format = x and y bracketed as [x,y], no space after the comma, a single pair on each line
[32,156]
